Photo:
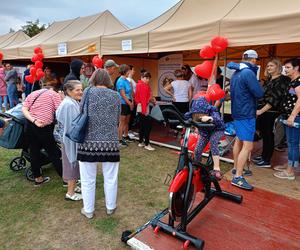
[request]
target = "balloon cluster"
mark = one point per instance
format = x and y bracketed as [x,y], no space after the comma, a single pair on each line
[207,68]
[1,56]
[217,45]
[36,70]
[97,62]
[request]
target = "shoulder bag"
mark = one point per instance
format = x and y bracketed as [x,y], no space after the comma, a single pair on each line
[78,126]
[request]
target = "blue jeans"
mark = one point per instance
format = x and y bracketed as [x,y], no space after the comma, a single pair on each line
[12,95]
[4,99]
[293,139]
[28,88]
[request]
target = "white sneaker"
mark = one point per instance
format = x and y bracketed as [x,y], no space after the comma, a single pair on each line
[148,147]
[87,215]
[141,144]
[131,135]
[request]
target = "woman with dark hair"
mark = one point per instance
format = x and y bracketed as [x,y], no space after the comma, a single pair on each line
[67,111]
[124,89]
[100,144]
[143,96]
[181,92]
[274,88]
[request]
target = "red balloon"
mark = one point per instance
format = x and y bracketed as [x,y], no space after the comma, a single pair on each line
[1,56]
[38,50]
[34,58]
[207,52]
[219,43]
[201,93]
[29,78]
[204,69]
[215,92]
[38,65]
[32,70]
[97,62]
[40,75]
[40,56]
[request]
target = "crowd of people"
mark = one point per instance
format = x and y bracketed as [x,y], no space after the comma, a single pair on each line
[52,104]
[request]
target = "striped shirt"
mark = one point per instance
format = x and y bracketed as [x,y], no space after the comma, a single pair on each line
[44,106]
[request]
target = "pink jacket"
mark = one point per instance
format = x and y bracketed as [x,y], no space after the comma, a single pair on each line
[2,82]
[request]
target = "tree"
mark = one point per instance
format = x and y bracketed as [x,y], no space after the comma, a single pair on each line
[33,27]
[11,30]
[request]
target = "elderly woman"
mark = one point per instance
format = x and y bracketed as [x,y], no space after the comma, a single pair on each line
[291,108]
[39,108]
[275,87]
[101,143]
[65,114]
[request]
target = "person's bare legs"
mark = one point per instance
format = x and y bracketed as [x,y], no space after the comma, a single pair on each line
[71,187]
[237,147]
[126,125]
[243,157]
[216,160]
[121,126]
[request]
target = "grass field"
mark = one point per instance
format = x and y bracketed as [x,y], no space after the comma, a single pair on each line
[40,218]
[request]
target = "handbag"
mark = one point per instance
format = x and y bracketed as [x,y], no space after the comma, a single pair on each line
[78,126]
[58,132]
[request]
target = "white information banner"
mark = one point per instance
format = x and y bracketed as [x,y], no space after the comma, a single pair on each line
[62,49]
[126,45]
[166,67]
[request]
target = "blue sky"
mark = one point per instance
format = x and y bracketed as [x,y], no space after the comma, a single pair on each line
[15,13]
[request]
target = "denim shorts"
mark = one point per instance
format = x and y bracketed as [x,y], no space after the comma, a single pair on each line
[245,129]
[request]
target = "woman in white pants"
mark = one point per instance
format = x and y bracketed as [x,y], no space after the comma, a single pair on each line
[101,143]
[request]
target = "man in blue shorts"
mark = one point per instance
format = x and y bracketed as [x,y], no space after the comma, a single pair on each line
[245,90]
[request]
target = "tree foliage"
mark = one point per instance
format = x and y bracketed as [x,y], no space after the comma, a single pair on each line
[33,27]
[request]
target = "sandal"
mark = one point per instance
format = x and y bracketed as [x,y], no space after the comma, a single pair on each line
[39,183]
[77,189]
[74,197]
[217,174]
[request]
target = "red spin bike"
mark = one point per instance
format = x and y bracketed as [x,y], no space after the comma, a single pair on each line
[189,179]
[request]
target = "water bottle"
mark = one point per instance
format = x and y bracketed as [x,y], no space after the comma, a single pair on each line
[295,124]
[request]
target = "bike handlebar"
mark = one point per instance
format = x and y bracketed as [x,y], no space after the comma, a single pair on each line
[189,122]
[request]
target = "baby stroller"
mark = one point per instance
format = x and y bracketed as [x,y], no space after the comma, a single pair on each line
[226,144]
[13,137]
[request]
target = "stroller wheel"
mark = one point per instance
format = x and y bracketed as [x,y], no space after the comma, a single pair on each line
[17,164]
[29,174]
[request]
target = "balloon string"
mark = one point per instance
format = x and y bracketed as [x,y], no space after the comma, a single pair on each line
[213,72]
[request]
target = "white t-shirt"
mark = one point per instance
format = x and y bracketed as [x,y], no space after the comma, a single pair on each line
[181,90]
[133,83]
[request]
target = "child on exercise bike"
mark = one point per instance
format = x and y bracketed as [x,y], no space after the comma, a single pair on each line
[202,111]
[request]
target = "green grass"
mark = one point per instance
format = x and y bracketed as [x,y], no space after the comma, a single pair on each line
[40,217]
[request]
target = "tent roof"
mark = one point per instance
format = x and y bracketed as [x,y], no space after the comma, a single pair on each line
[112,44]
[12,38]
[190,24]
[82,36]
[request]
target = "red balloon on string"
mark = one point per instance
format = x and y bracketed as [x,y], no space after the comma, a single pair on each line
[204,69]
[32,70]
[38,65]
[38,50]
[40,56]
[97,62]
[219,43]
[1,56]
[29,78]
[201,93]
[34,58]
[215,92]
[207,52]
[40,75]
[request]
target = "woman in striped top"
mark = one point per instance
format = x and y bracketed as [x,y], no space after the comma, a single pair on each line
[39,108]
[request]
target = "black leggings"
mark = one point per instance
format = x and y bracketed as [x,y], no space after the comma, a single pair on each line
[42,138]
[145,128]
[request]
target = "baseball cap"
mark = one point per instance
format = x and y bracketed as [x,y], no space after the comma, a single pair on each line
[250,53]
[110,63]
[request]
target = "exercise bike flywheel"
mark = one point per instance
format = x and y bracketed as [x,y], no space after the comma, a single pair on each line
[176,201]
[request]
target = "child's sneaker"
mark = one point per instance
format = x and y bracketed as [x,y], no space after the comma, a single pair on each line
[216,174]
[241,183]
[263,164]
[141,144]
[148,147]
[246,172]
[257,159]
